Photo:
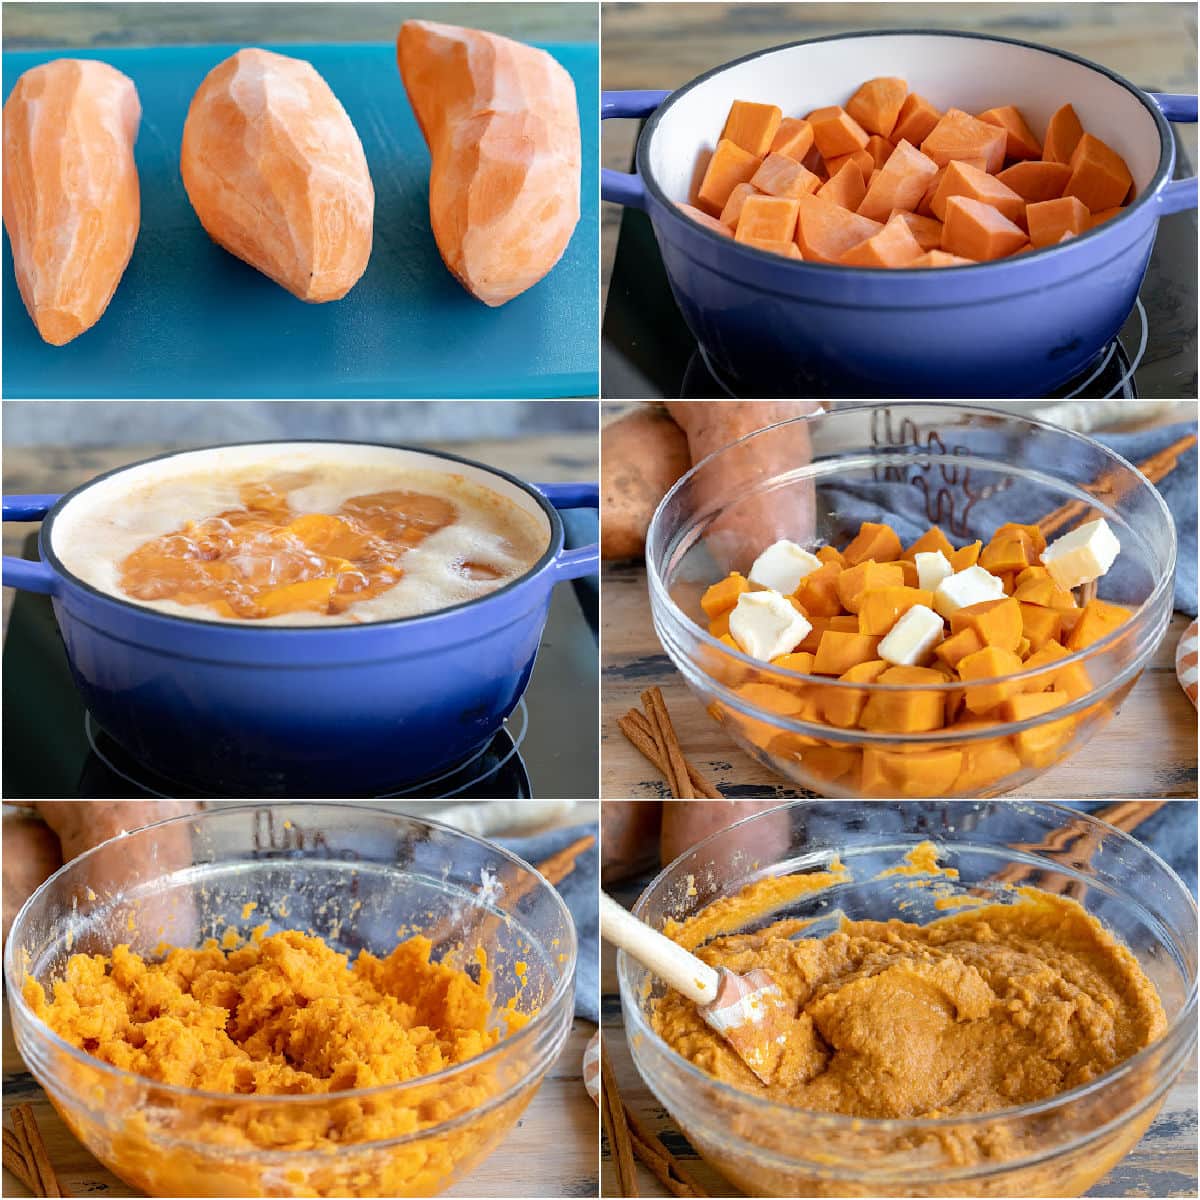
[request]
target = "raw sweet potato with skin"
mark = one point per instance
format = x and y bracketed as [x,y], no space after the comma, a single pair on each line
[31,855]
[71,199]
[277,175]
[644,452]
[502,126]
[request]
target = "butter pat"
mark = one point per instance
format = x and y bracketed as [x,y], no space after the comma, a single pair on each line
[765,625]
[972,586]
[910,640]
[1082,555]
[932,568]
[781,566]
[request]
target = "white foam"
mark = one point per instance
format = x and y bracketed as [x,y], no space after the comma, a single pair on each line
[499,524]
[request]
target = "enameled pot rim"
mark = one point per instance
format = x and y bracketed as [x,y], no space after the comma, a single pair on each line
[766,1109]
[536,1023]
[51,558]
[1011,263]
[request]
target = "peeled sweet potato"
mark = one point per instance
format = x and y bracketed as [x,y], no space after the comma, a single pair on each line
[277,174]
[71,200]
[502,127]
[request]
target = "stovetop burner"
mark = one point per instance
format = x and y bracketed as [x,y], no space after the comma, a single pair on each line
[648,351]
[110,772]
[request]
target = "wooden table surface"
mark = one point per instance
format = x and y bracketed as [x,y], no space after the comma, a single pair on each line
[1163,1163]
[666,45]
[559,1130]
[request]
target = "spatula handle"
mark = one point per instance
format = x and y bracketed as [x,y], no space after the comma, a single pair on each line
[658,954]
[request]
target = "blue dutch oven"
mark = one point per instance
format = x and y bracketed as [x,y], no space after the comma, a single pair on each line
[771,326]
[254,710]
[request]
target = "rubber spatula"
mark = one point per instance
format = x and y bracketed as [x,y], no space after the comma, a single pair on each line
[749,1011]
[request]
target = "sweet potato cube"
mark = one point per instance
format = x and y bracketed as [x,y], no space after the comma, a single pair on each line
[782,176]
[773,246]
[831,554]
[768,218]
[818,592]
[1034,534]
[836,132]
[939,258]
[719,625]
[729,166]
[958,135]
[914,711]
[962,179]
[916,120]
[309,595]
[1073,681]
[1048,220]
[1046,656]
[991,662]
[731,213]
[965,556]
[978,231]
[880,608]
[957,646]
[1043,591]
[1036,181]
[912,773]
[997,622]
[837,652]
[847,188]
[829,762]
[880,149]
[824,231]
[1098,620]
[1099,176]
[873,541]
[1039,745]
[752,126]
[1021,142]
[702,218]
[927,230]
[797,661]
[985,763]
[794,138]
[860,158]
[901,183]
[912,577]
[843,706]
[723,595]
[855,580]
[876,105]
[931,541]
[893,246]
[1106,215]
[1062,136]
[1007,552]
[1040,625]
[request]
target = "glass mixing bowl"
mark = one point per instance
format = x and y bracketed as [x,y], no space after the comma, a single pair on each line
[360,878]
[813,480]
[1057,1147]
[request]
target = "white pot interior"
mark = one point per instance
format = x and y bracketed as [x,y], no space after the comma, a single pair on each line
[974,74]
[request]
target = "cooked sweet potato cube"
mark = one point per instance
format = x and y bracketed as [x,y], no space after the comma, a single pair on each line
[908,711]
[880,608]
[729,166]
[997,622]
[1040,625]
[818,592]
[843,706]
[910,773]
[853,581]
[873,541]
[932,540]
[752,126]
[1098,620]
[965,556]
[991,662]
[957,646]
[723,594]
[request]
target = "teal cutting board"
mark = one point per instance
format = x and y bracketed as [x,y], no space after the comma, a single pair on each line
[189,319]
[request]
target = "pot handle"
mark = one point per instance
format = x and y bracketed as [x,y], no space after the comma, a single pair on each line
[1178,195]
[585,560]
[624,187]
[20,572]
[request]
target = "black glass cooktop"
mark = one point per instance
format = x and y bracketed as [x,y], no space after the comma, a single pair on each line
[647,351]
[53,749]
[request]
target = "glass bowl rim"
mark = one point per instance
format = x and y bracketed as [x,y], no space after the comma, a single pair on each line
[539,1021]
[764,1109]
[660,594]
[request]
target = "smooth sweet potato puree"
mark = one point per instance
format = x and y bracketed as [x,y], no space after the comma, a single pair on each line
[979,1010]
[286,1015]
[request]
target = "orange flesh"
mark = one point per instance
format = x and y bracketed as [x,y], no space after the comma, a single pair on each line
[263,559]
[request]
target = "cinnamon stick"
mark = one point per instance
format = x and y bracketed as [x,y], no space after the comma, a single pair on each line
[26,1128]
[615,1125]
[654,1145]
[664,736]
[636,728]
[661,1169]
[561,863]
[15,1162]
